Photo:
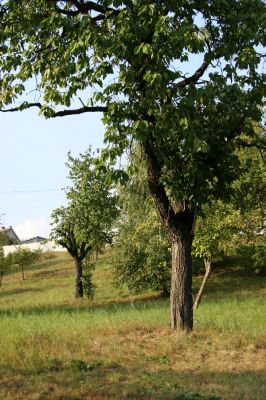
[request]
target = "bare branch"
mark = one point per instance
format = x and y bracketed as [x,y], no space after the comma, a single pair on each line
[79,111]
[62,113]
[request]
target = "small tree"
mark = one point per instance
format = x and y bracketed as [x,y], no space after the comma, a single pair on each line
[85,223]
[5,263]
[214,235]
[239,220]
[141,255]
[24,258]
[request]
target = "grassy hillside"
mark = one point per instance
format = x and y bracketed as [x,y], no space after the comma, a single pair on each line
[119,346]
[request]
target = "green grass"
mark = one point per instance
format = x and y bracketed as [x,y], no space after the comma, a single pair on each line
[119,346]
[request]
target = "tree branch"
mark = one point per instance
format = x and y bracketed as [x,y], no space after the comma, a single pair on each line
[193,78]
[85,8]
[79,111]
[62,113]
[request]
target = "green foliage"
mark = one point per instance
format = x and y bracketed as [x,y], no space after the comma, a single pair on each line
[85,223]
[237,221]
[79,366]
[141,255]
[193,123]
[254,255]
[5,263]
[216,230]
[25,256]
[88,286]
[259,258]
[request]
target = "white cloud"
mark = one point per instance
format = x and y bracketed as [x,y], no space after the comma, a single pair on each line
[32,227]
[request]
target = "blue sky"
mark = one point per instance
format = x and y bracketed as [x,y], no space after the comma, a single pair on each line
[33,171]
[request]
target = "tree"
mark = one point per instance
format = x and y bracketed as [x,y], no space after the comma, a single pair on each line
[5,263]
[85,224]
[141,256]
[214,235]
[24,258]
[134,57]
[238,221]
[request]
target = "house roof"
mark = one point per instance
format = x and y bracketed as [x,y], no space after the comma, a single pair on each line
[5,230]
[34,239]
[8,230]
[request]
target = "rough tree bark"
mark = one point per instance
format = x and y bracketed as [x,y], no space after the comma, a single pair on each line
[79,284]
[207,265]
[181,302]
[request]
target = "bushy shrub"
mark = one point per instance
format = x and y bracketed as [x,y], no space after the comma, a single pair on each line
[259,258]
[254,255]
[141,257]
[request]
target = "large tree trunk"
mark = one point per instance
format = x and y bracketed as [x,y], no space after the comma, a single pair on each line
[207,265]
[79,284]
[179,221]
[181,302]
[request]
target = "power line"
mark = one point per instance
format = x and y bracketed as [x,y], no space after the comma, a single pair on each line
[31,191]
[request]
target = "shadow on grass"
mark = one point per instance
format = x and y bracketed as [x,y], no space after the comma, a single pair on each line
[18,291]
[101,380]
[167,384]
[83,306]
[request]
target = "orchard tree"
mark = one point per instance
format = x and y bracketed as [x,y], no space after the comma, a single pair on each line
[85,224]
[5,263]
[24,258]
[184,78]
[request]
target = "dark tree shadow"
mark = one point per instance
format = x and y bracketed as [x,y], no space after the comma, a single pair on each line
[18,291]
[83,306]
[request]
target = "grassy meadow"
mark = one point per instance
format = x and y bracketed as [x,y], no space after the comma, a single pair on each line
[119,346]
